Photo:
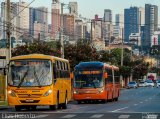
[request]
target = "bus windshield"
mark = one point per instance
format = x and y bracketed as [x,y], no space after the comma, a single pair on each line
[88,79]
[28,73]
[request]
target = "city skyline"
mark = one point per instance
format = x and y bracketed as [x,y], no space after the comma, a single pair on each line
[97,7]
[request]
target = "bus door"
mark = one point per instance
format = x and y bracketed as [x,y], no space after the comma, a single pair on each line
[2,86]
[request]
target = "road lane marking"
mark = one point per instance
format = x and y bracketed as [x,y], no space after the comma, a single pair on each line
[41,116]
[97,116]
[124,116]
[69,116]
[135,104]
[119,109]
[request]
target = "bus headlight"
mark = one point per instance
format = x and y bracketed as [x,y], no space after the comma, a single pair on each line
[12,93]
[48,92]
[75,92]
[101,90]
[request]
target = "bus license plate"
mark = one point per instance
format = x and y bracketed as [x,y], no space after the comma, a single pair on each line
[29,100]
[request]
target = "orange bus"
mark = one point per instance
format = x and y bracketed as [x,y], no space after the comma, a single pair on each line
[36,80]
[96,81]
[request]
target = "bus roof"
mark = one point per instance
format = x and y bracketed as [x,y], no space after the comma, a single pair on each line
[38,56]
[94,64]
[89,65]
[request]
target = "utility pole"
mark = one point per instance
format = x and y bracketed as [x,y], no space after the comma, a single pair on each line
[91,32]
[8,32]
[61,31]
[8,41]
[121,77]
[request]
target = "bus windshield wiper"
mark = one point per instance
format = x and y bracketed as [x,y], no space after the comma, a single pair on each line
[23,78]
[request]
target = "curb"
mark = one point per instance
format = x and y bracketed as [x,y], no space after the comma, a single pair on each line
[3,107]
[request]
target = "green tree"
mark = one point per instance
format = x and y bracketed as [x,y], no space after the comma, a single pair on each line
[37,47]
[79,53]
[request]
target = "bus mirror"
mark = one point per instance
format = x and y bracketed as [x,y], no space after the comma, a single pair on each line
[71,75]
[105,75]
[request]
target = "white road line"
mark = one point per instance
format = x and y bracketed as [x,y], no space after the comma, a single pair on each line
[119,109]
[83,107]
[41,116]
[97,116]
[135,104]
[68,116]
[124,116]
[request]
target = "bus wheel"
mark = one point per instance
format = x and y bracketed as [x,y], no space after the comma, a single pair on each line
[64,105]
[18,108]
[104,101]
[56,106]
[79,101]
[116,99]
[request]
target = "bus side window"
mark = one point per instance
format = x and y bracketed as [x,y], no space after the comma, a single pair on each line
[117,76]
[110,76]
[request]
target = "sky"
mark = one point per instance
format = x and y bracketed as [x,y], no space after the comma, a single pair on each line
[88,8]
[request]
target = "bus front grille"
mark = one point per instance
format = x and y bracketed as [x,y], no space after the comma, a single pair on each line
[29,95]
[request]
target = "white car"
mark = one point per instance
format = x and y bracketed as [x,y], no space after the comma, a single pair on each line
[149,83]
[158,83]
[132,84]
[142,84]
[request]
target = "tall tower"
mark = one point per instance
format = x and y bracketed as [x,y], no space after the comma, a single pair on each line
[24,16]
[131,22]
[151,23]
[73,8]
[37,16]
[107,15]
[55,18]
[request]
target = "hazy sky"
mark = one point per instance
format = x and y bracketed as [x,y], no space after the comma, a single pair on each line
[88,8]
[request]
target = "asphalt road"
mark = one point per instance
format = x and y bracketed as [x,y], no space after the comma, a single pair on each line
[140,103]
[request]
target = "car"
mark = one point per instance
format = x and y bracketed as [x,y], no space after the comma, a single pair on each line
[149,83]
[142,84]
[158,83]
[132,84]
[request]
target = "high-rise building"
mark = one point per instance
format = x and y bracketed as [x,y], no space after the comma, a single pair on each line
[15,20]
[40,30]
[119,26]
[119,20]
[24,17]
[55,17]
[107,15]
[80,29]
[151,23]
[73,8]
[38,15]
[31,20]
[131,22]
[142,16]
[69,25]
[97,32]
